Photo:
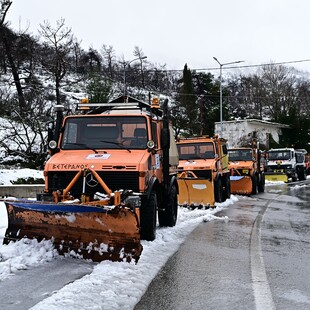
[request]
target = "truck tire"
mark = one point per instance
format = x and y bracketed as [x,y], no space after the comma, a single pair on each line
[261,183]
[168,216]
[254,184]
[148,218]
[218,191]
[226,190]
[302,174]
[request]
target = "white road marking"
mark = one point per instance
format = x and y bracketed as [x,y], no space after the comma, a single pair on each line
[262,292]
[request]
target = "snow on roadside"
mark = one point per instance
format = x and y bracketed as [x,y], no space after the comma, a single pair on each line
[111,285]
[23,254]
[7,176]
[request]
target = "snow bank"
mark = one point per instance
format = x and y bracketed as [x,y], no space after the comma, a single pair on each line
[110,285]
[7,176]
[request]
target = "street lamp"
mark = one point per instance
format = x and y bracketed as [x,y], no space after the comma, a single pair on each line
[221,93]
[127,63]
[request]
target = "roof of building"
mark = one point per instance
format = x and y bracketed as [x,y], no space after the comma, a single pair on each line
[252,120]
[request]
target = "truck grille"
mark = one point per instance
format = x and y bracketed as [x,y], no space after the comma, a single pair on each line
[278,168]
[115,180]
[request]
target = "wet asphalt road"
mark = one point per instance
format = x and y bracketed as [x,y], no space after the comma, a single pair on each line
[259,259]
[36,284]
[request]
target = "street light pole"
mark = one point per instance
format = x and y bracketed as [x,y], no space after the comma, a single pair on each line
[221,91]
[127,63]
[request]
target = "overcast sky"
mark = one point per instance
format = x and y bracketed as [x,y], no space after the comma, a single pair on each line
[175,32]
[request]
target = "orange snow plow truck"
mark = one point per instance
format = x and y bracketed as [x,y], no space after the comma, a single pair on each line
[112,171]
[203,174]
[247,170]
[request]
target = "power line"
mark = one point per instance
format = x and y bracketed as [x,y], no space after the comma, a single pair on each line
[241,66]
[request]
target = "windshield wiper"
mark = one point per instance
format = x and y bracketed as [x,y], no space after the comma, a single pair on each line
[86,147]
[118,144]
[191,158]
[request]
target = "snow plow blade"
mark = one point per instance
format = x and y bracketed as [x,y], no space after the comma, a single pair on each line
[91,232]
[276,177]
[194,191]
[241,185]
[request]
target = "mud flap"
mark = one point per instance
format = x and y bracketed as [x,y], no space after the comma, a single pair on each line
[91,232]
[276,177]
[241,185]
[195,191]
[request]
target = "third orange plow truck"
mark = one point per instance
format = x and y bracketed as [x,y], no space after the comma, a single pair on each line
[247,170]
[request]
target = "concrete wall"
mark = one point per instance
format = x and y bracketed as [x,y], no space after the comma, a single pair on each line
[240,130]
[21,191]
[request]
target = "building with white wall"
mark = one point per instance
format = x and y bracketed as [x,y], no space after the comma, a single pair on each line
[239,132]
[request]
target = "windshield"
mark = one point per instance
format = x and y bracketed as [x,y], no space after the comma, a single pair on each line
[279,155]
[196,151]
[240,155]
[104,132]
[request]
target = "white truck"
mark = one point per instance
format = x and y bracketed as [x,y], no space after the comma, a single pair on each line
[285,164]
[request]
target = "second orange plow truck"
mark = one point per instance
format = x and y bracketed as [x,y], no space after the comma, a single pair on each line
[247,170]
[203,174]
[112,172]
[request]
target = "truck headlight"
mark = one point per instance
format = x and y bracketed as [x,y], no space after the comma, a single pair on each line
[52,144]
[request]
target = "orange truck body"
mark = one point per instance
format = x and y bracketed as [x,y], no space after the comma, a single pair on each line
[247,172]
[116,165]
[203,174]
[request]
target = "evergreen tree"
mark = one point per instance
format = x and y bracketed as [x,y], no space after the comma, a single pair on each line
[187,101]
[98,88]
[207,102]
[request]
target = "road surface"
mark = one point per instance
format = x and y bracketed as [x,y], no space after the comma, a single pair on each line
[27,287]
[259,259]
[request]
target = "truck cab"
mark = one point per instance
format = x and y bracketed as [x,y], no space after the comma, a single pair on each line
[246,169]
[284,164]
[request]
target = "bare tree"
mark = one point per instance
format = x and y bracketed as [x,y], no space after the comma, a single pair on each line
[109,59]
[5,5]
[139,53]
[23,143]
[7,39]
[77,53]
[58,45]
[278,83]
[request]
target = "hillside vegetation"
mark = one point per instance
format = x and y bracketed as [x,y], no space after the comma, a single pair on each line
[36,73]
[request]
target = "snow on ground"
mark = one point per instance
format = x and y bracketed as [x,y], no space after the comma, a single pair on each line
[278,190]
[111,285]
[7,176]
[274,190]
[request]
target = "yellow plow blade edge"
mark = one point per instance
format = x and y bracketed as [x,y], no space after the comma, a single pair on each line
[276,177]
[241,185]
[91,232]
[197,192]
